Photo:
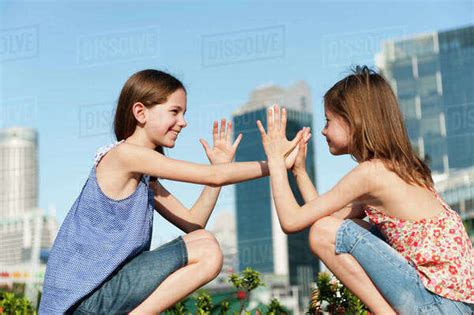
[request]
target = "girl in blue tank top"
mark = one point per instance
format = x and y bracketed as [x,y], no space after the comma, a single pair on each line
[101,262]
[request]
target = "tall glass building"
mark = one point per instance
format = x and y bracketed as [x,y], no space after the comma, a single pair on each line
[26,235]
[433,77]
[261,243]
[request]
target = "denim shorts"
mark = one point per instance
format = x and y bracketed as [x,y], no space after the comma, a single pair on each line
[131,284]
[394,276]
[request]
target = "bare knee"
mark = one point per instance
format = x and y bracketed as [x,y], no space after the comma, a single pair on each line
[323,233]
[204,249]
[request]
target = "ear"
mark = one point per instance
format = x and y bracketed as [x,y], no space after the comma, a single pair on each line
[139,110]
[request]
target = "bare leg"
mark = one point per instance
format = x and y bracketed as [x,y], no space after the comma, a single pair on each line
[322,239]
[204,264]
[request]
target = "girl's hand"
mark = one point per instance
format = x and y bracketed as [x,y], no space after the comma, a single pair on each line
[223,150]
[276,145]
[300,162]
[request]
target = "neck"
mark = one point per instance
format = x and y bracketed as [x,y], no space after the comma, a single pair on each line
[139,138]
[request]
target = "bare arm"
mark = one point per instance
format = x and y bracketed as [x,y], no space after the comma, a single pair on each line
[305,186]
[185,219]
[294,218]
[137,159]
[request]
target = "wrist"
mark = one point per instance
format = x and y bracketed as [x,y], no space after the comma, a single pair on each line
[276,162]
[298,171]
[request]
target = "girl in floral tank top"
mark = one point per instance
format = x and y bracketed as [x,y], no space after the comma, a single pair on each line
[438,247]
[402,261]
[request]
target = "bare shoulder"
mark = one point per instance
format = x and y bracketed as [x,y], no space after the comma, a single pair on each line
[375,168]
[370,170]
[129,155]
[377,175]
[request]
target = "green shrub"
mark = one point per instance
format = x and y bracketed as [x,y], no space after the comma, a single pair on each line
[13,304]
[332,296]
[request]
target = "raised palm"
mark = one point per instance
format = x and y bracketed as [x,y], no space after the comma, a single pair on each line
[223,150]
[275,143]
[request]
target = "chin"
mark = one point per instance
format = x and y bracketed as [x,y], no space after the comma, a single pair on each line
[171,144]
[336,152]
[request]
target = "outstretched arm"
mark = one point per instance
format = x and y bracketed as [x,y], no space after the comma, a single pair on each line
[138,159]
[294,218]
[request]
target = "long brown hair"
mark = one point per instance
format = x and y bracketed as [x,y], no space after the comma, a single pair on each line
[149,87]
[365,100]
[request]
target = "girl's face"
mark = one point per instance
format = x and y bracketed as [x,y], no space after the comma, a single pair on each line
[165,121]
[337,133]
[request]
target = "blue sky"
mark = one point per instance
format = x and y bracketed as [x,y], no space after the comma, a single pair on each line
[63,65]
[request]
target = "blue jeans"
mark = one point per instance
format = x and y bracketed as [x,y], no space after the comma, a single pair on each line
[131,284]
[395,278]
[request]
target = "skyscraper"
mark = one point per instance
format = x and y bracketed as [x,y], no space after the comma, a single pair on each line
[261,243]
[432,75]
[25,234]
[18,193]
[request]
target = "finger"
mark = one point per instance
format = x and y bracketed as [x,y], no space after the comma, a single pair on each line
[306,135]
[215,130]
[228,132]
[261,129]
[222,134]
[270,119]
[296,139]
[283,121]
[205,145]
[292,156]
[276,120]
[237,141]
[301,147]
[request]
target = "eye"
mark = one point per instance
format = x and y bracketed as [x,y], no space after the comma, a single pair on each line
[175,111]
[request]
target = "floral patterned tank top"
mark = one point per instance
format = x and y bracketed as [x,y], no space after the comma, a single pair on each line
[438,247]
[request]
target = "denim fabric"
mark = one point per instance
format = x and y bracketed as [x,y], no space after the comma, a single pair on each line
[135,281]
[393,275]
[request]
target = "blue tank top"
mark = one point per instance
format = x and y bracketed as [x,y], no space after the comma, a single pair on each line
[98,235]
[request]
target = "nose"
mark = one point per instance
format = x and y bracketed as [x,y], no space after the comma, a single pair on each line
[182,122]
[323,131]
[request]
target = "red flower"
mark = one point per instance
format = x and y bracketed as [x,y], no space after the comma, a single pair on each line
[241,295]
[453,270]
[436,233]
[436,258]
[438,289]
[452,231]
[458,240]
[468,284]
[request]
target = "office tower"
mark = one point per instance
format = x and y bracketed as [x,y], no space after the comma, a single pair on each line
[262,245]
[432,75]
[25,234]
[18,171]
[18,193]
